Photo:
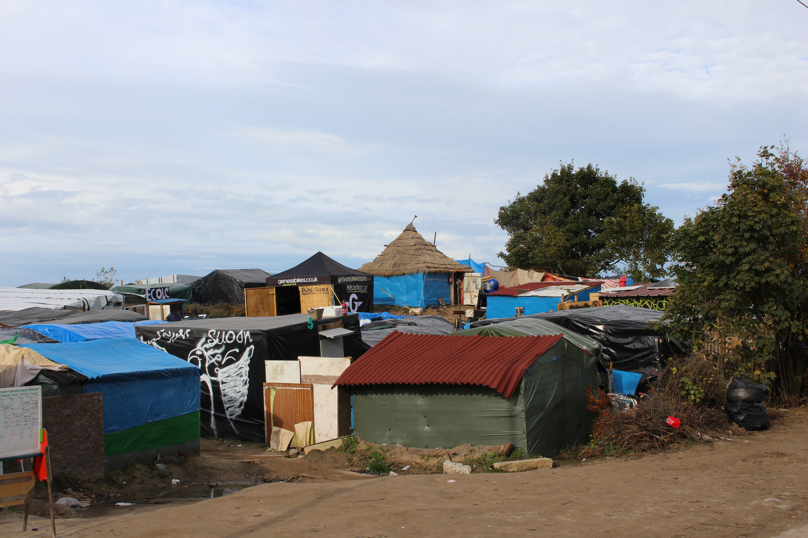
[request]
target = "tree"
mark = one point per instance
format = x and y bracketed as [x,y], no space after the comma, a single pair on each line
[106,277]
[743,271]
[583,222]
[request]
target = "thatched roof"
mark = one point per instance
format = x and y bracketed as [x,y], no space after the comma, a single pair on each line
[410,253]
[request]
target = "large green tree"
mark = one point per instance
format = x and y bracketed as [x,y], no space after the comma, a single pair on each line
[743,271]
[583,222]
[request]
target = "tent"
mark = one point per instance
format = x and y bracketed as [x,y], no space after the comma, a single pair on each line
[318,281]
[175,291]
[412,272]
[537,297]
[79,299]
[151,399]
[628,340]
[227,285]
[231,354]
[89,331]
[431,390]
[28,316]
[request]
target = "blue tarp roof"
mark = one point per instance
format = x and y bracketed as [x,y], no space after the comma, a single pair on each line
[111,357]
[89,331]
[476,267]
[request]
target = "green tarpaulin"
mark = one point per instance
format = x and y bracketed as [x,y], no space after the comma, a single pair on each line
[170,431]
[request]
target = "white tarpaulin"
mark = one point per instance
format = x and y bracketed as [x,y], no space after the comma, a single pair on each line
[22,298]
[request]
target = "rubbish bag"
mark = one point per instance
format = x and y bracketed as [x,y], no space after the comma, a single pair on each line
[739,389]
[749,416]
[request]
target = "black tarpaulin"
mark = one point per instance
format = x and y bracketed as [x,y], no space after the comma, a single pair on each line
[375,331]
[227,285]
[352,287]
[231,354]
[31,316]
[25,336]
[624,332]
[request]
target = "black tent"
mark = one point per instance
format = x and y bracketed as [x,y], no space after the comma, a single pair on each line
[628,339]
[353,287]
[232,355]
[227,285]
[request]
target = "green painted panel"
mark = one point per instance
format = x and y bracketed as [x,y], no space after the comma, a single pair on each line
[170,431]
[438,416]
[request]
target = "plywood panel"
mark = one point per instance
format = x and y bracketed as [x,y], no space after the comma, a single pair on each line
[293,403]
[331,404]
[259,302]
[282,372]
[314,297]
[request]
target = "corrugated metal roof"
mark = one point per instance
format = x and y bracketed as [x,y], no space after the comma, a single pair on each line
[418,359]
[640,290]
[516,291]
[556,291]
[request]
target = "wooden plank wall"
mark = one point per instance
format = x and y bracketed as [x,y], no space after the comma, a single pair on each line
[259,302]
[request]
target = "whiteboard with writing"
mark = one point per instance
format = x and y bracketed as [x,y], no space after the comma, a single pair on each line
[20,421]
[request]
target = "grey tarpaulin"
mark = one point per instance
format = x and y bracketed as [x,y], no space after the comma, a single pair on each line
[25,336]
[30,316]
[375,331]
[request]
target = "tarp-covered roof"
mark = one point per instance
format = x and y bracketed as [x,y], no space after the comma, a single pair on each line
[80,299]
[18,318]
[526,326]
[416,359]
[410,253]
[112,357]
[90,331]
[372,333]
[25,336]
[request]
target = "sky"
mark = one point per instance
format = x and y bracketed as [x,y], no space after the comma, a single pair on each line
[177,137]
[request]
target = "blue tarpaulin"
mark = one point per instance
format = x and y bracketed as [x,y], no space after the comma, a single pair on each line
[625,382]
[140,383]
[89,331]
[372,316]
[476,267]
[416,290]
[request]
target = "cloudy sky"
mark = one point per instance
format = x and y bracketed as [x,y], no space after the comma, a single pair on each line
[166,137]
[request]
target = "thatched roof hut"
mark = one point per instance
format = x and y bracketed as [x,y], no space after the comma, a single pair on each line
[410,253]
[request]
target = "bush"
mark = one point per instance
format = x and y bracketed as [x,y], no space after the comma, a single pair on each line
[378,463]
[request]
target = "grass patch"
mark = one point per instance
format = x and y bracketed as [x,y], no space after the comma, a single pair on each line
[378,463]
[349,444]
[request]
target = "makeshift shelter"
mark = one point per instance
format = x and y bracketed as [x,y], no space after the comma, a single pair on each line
[24,336]
[523,326]
[431,390]
[227,285]
[628,341]
[412,272]
[646,295]
[89,331]
[28,316]
[537,297]
[141,293]
[231,354]
[78,299]
[151,399]
[376,331]
[317,282]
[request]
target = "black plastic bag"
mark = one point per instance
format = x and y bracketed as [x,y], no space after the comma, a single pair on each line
[739,389]
[749,416]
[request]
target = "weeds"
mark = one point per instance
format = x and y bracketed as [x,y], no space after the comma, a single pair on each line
[349,444]
[378,463]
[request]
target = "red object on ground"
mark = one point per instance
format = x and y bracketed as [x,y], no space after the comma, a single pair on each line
[40,465]
[673,421]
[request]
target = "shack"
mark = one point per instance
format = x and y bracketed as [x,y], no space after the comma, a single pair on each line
[441,390]
[231,354]
[537,297]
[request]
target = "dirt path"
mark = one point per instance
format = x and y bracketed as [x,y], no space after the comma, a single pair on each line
[756,486]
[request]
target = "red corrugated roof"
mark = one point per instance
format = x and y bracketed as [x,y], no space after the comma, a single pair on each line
[418,359]
[642,291]
[515,291]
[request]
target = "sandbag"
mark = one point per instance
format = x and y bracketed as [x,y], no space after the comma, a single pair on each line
[739,389]
[747,415]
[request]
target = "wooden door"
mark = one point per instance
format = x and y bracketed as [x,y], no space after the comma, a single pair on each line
[259,302]
[293,403]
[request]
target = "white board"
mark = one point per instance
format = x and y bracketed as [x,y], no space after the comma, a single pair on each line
[20,421]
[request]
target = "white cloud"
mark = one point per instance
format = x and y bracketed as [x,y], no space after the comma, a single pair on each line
[694,186]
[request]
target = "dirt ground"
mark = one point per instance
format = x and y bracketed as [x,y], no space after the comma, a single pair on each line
[755,485]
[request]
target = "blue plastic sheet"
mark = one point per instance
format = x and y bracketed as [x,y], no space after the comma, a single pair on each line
[416,290]
[140,384]
[625,382]
[504,306]
[372,316]
[89,331]
[477,267]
